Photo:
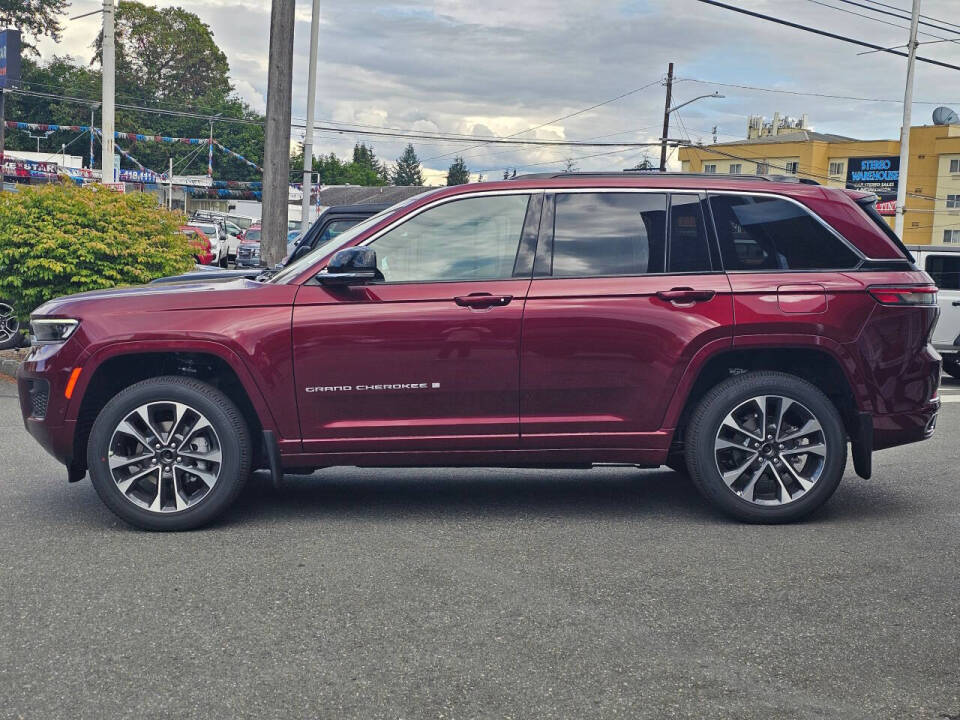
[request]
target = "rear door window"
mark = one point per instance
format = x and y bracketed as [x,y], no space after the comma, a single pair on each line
[945,270]
[767,233]
[608,233]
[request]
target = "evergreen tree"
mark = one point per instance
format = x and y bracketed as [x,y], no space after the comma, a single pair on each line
[459,173]
[408,171]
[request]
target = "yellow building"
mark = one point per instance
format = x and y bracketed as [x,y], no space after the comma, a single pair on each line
[933,178]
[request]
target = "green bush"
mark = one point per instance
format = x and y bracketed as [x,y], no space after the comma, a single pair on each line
[62,239]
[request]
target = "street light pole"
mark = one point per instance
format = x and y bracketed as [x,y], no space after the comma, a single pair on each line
[308,131]
[93,110]
[109,70]
[905,127]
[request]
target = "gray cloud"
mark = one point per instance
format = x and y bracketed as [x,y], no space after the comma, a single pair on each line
[498,67]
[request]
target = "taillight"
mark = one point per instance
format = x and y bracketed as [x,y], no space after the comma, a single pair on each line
[922,295]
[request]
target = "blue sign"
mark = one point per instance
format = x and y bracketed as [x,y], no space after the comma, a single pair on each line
[878,175]
[9,58]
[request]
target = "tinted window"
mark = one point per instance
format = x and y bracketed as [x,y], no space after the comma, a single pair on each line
[469,239]
[764,233]
[333,229]
[689,250]
[945,270]
[609,234]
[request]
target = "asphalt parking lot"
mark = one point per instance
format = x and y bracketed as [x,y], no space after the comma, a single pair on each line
[484,593]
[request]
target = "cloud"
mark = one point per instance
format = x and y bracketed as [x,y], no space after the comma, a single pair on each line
[502,66]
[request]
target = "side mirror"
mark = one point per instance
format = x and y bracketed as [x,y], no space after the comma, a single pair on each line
[351,266]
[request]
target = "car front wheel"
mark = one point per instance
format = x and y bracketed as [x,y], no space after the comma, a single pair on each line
[169,453]
[766,447]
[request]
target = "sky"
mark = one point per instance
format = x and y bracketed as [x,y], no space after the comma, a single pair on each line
[499,67]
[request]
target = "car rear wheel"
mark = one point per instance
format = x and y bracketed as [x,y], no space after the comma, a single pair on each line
[9,327]
[169,453]
[766,447]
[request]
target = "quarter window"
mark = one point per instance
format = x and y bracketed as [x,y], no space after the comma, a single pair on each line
[767,233]
[945,271]
[470,239]
[609,234]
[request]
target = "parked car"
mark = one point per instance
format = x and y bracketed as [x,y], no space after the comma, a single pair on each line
[332,221]
[10,335]
[204,253]
[217,234]
[746,331]
[942,263]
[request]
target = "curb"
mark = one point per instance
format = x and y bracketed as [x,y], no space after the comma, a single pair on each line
[9,367]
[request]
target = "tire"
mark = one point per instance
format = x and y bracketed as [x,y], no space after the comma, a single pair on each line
[223,262]
[10,335]
[774,481]
[203,467]
[952,368]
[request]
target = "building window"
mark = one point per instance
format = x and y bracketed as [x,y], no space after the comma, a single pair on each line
[951,237]
[736,169]
[955,166]
[762,168]
[836,167]
[953,201]
[791,168]
[710,169]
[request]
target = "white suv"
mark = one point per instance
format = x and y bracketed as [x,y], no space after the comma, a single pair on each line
[942,263]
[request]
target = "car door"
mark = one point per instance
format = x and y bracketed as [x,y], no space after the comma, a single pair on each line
[614,315]
[944,268]
[428,357]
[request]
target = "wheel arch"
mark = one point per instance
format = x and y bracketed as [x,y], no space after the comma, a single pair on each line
[119,366]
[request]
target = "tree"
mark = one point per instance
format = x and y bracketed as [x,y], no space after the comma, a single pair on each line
[167,54]
[408,171]
[33,17]
[459,173]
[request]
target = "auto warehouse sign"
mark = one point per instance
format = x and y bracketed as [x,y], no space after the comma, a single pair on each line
[878,175]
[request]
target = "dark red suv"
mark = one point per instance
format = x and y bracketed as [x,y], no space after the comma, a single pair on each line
[742,329]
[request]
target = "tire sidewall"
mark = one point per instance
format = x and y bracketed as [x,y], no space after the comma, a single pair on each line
[222,415]
[729,395]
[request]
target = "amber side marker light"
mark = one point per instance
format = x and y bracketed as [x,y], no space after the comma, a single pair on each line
[922,295]
[72,383]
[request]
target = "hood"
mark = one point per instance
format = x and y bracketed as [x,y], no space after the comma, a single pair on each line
[187,295]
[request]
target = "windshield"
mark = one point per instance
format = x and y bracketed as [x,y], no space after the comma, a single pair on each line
[338,241]
[253,235]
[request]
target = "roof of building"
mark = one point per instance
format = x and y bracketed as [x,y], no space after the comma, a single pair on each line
[359,194]
[798,136]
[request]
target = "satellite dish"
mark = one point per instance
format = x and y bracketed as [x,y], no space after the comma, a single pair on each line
[945,116]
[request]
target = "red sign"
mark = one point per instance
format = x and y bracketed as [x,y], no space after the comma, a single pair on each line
[887,207]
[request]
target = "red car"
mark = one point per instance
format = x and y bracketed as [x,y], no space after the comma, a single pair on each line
[745,330]
[203,249]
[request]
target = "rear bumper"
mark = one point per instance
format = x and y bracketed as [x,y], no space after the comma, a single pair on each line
[906,427]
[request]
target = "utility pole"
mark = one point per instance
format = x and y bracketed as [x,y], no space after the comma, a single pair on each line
[109,71]
[905,128]
[3,135]
[666,119]
[276,155]
[210,147]
[308,132]
[170,186]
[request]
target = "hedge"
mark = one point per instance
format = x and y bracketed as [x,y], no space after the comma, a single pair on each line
[61,239]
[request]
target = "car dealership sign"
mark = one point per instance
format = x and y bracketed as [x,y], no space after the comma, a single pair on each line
[878,175]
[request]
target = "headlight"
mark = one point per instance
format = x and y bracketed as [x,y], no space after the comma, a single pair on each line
[51,331]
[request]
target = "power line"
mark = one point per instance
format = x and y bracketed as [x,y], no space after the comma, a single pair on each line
[806,94]
[824,33]
[927,17]
[902,17]
[940,38]
[564,117]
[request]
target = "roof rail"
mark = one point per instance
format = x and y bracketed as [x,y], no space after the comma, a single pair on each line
[657,173]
